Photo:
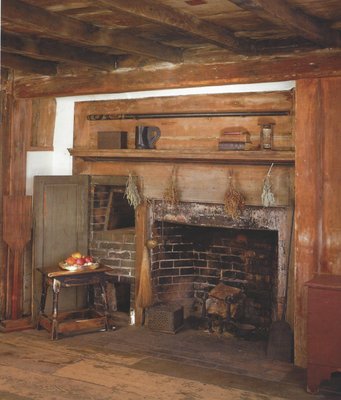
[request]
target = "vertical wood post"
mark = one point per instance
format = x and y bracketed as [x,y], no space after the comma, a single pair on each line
[318,192]
[5,139]
[140,240]
[307,202]
[331,176]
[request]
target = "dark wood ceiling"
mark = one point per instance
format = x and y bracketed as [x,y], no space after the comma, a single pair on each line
[49,37]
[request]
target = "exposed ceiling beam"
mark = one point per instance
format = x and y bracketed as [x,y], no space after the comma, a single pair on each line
[159,13]
[283,46]
[53,25]
[56,51]
[280,13]
[29,65]
[311,65]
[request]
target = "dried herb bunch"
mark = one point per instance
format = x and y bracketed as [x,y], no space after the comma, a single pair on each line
[234,201]
[268,198]
[132,192]
[171,195]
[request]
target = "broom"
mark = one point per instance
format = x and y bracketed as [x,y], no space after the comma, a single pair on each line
[144,294]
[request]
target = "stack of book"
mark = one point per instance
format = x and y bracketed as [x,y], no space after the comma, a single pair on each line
[238,140]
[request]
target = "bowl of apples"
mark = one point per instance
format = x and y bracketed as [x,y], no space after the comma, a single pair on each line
[76,261]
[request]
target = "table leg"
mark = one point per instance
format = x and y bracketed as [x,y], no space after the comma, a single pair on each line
[42,299]
[105,303]
[56,290]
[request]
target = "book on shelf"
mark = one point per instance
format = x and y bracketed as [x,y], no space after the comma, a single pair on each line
[234,146]
[236,136]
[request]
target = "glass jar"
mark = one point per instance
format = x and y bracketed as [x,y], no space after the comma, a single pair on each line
[266,136]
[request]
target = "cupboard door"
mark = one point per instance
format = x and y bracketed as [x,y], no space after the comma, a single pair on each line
[60,209]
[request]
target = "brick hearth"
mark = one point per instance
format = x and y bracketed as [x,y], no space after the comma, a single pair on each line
[198,244]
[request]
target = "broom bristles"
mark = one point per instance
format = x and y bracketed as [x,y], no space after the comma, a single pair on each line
[145,294]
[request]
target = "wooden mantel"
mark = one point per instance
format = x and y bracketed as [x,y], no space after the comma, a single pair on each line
[171,156]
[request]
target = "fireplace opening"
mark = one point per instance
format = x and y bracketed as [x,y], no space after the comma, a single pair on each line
[110,208]
[190,261]
[122,296]
[112,238]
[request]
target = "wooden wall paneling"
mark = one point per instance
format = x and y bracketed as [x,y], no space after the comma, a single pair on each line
[6,112]
[43,122]
[331,222]
[188,133]
[198,133]
[257,101]
[308,65]
[81,124]
[191,133]
[204,183]
[21,131]
[307,202]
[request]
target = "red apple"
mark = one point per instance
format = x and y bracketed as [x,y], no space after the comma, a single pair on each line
[70,261]
[88,259]
[80,261]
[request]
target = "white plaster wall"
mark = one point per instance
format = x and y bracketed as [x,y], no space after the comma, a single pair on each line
[59,162]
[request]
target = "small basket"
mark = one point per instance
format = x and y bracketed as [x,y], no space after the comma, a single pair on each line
[165,318]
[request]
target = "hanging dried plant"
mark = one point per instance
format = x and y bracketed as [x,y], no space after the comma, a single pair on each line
[234,201]
[268,198]
[171,194]
[132,192]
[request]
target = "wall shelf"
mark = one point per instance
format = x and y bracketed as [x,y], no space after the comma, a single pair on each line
[175,156]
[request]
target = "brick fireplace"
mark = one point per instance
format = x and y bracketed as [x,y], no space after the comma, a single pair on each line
[200,246]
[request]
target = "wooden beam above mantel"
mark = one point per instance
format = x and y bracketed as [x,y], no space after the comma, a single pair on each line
[309,65]
[175,156]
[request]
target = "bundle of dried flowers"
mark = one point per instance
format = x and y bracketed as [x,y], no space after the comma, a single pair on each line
[268,198]
[171,194]
[234,201]
[132,192]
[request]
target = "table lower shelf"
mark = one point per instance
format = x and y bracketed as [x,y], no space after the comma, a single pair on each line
[74,321]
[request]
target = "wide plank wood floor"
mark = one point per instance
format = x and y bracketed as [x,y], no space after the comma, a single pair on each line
[135,363]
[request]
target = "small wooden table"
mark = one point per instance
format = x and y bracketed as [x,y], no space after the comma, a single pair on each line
[71,321]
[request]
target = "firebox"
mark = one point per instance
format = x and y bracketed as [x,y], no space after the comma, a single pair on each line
[200,247]
[191,260]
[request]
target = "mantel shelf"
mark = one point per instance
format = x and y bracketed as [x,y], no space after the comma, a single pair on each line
[171,156]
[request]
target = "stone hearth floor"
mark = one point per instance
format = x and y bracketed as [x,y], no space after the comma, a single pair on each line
[133,363]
